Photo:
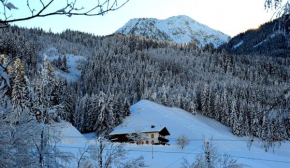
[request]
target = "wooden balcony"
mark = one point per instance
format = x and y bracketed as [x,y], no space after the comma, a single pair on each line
[163,140]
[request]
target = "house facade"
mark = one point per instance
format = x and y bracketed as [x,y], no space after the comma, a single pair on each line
[146,135]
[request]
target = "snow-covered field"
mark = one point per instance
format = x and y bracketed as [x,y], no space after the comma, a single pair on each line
[179,122]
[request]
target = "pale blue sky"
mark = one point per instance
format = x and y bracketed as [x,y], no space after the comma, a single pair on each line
[228,16]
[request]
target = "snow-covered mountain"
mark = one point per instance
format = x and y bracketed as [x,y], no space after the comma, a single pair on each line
[179,29]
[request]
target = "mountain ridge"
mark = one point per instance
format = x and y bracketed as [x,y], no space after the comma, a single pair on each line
[179,29]
[270,38]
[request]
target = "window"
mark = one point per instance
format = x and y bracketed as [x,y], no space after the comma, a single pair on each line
[152,135]
[152,142]
[147,142]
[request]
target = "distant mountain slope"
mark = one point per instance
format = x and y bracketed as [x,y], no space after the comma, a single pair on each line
[271,38]
[177,29]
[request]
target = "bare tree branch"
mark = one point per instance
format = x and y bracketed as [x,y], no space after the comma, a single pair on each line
[31,10]
[42,3]
[281,8]
[69,10]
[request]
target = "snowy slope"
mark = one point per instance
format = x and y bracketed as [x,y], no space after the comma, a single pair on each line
[197,127]
[71,140]
[179,29]
[73,63]
[179,122]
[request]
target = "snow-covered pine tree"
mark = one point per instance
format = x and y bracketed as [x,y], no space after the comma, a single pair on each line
[192,108]
[111,115]
[137,89]
[232,114]
[127,111]
[64,64]
[79,116]
[255,128]
[265,127]
[245,123]
[102,124]
[29,144]
[88,110]
[46,93]
[282,129]
[69,103]
[211,97]
[241,121]
[181,101]
[164,100]
[37,100]
[20,93]
[225,108]
[118,110]
[177,101]
[204,101]
[52,86]
[236,126]
[217,107]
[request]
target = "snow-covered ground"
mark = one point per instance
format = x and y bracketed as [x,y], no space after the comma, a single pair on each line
[268,38]
[73,62]
[71,140]
[180,122]
[238,45]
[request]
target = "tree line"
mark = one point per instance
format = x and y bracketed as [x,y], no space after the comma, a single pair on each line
[240,91]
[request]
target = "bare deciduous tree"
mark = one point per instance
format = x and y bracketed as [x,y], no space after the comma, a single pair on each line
[83,160]
[210,158]
[47,152]
[135,163]
[182,141]
[70,8]
[106,154]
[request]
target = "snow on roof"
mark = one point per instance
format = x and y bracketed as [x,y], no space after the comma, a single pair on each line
[128,130]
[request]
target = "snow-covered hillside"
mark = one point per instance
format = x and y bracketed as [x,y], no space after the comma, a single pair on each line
[180,122]
[73,64]
[179,29]
[197,127]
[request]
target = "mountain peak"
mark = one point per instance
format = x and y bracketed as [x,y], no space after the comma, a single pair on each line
[179,29]
[180,17]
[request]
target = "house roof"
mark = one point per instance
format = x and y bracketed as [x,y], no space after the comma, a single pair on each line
[145,129]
